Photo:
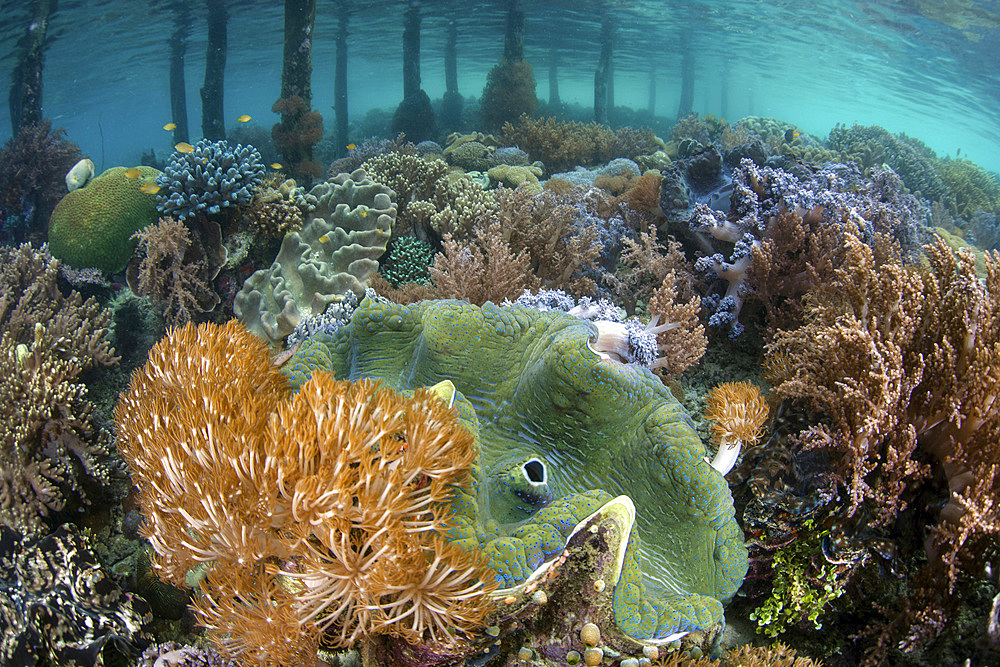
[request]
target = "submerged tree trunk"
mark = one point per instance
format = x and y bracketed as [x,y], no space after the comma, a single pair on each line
[513,36]
[451,107]
[213,123]
[602,75]
[686,105]
[340,78]
[178,49]
[296,70]
[411,50]
[25,98]
[554,79]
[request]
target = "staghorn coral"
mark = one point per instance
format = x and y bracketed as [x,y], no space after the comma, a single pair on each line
[93,226]
[33,166]
[58,607]
[319,516]
[177,268]
[900,358]
[212,177]
[336,250]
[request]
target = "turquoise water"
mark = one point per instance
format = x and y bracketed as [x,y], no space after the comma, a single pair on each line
[924,67]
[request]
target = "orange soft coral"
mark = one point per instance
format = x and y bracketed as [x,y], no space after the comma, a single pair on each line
[317,516]
[738,413]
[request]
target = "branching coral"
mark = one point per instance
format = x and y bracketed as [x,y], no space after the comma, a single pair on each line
[208,179]
[901,357]
[278,207]
[319,515]
[49,451]
[177,268]
[564,145]
[680,337]
[430,201]
[545,225]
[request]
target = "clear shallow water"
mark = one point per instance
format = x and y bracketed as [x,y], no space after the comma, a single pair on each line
[924,67]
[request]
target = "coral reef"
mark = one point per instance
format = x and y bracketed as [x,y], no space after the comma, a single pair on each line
[58,607]
[406,261]
[872,146]
[33,165]
[970,188]
[212,177]
[553,419]
[278,207]
[563,145]
[93,226]
[430,201]
[315,517]
[176,268]
[49,450]
[903,358]
[336,250]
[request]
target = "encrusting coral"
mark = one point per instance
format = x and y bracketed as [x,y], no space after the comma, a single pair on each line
[316,517]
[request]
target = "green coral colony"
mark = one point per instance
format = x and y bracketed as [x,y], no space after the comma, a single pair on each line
[560,432]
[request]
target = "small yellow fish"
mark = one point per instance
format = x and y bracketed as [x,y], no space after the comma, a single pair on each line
[133,172]
[324,238]
[795,134]
[184,147]
[244,118]
[149,188]
[276,165]
[170,126]
[351,147]
[364,213]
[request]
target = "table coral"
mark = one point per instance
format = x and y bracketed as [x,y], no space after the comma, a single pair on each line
[336,250]
[559,429]
[93,226]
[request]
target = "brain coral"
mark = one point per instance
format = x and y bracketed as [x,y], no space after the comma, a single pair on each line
[560,432]
[211,177]
[93,226]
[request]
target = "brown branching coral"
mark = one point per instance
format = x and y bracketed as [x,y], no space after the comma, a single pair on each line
[680,334]
[560,250]
[901,357]
[176,268]
[321,514]
[277,208]
[49,450]
[562,145]
[642,268]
